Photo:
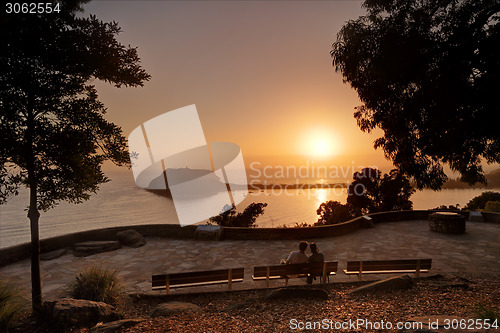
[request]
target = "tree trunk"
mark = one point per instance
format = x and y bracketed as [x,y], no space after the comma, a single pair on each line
[36,282]
[33,214]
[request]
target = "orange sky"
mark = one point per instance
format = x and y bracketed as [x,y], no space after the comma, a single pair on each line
[260,74]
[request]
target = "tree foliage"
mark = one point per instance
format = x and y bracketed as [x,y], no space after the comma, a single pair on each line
[333,212]
[370,192]
[247,218]
[481,200]
[427,74]
[53,134]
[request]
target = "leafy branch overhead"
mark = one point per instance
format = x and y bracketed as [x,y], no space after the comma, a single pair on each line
[427,74]
[51,120]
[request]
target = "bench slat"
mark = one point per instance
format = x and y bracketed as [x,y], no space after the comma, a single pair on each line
[196,284]
[384,272]
[185,279]
[381,265]
[299,270]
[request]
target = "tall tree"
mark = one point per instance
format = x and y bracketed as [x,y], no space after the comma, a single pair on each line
[370,192]
[427,73]
[53,136]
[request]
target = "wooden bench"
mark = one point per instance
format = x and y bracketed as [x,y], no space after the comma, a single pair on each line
[323,270]
[193,279]
[416,266]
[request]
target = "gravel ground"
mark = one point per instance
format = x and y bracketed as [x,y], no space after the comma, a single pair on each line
[436,295]
[449,296]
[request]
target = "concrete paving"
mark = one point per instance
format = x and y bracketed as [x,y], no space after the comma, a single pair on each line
[476,251]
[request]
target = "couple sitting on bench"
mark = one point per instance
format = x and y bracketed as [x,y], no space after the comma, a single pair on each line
[300,257]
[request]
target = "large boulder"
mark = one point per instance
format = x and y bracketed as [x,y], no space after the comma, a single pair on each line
[166,309]
[68,312]
[84,249]
[131,238]
[302,293]
[53,254]
[117,325]
[393,283]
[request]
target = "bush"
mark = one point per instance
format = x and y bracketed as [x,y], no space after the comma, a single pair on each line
[229,218]
[11,306]
[444,207]
[492,206]
[480,201]
[333,212]
[97,284]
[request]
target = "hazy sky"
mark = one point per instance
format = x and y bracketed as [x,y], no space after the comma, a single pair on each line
[259,72]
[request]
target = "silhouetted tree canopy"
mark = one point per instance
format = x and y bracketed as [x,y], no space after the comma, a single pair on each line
[53,135]
[372,193]
[333,212]
[427,73]
[247,218]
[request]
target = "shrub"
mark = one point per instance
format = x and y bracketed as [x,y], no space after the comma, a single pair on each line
[11,306]
[444,207]
[492,206]
[480,201]
[229,217]
[97,284]
[333,212]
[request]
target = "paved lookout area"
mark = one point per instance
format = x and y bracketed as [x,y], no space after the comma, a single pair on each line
[476,251]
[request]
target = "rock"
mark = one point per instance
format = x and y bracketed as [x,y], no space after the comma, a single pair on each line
[242,305]
[394,283]
[92,247]
[476,217]
[303,293]
[53,254]
[208,232]
[68,312]
[131,238]
[117,325]
[166,309]
[367,222]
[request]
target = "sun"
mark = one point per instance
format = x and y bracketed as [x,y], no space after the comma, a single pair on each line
[320,147]
[320,143]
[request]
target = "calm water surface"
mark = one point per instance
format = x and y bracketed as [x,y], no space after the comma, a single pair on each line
[121,203]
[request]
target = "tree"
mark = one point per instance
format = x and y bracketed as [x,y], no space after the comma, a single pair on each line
[427,74]
[333,212]
[481,200]
[229,217]
[371,193]
[53,136]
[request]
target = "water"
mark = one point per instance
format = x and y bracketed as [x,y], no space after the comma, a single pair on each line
[121,203]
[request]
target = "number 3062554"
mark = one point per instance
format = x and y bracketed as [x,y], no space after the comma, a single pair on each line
[32,7]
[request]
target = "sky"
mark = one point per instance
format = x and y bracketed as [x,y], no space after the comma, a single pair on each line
[259,73]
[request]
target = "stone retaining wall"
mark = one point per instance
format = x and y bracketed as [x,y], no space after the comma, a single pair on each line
[22,251]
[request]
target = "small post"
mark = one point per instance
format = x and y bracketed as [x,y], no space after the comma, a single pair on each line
[229,278]
[324,273]
[417,273]
[360,270]
[167,283]
[267,277]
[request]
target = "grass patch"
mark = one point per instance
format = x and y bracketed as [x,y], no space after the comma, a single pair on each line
[11,306]
[97,284]
[483,311]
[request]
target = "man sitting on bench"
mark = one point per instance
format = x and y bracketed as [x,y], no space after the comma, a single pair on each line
[296,257]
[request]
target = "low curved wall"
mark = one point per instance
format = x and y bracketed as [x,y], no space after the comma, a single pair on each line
[22,251]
